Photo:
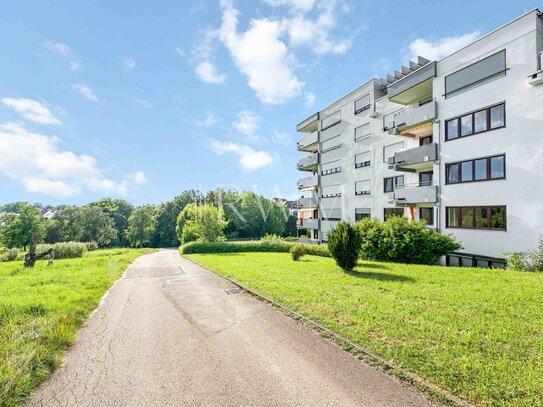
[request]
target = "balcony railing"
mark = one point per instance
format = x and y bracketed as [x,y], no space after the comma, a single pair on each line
[308,203]
[308,223]
[308,182]
[420,192]
[413,86]
[309,143]
[308,163]
[406,118]
[413,158]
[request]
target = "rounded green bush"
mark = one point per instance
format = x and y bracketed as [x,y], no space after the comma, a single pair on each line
[297,251]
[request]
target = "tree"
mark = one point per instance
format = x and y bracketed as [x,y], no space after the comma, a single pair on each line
[344,245]
[96,226]
[291,228]
[119,211]
[141,226]
[166,219]
[55,231]
[205,222]
[13,207]
[19,229]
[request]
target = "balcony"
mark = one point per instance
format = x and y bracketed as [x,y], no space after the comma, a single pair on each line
[308,203]
[400,121]
[309,163]
[308,223]
[413,159]
[308,182]
[309,143]
[413,87]
[310,124]
[415,193]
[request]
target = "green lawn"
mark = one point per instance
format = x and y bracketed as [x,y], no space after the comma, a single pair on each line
[475,332]
[41,309]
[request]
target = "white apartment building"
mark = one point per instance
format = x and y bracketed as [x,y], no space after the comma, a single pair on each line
[457,142]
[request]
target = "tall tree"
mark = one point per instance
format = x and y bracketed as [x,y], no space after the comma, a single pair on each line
[19,229]
[201,222]
[141,226]
[119,210]
[96,226]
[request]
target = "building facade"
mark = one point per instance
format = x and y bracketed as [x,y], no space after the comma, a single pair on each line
[457,142]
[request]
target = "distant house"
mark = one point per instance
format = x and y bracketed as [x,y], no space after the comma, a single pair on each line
[47,213]
[292,206]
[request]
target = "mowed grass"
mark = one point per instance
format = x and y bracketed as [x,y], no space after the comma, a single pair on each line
[475,332]
[41,310]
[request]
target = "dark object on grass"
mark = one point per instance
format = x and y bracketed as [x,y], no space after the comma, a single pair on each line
[32,256]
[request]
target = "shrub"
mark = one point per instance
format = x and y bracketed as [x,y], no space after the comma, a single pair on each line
[401,241]
[11,255]
[190,233]
[297,251]
[531,260]
[270,237]
[250,246]
[91,246]
[344,245]
[64,250]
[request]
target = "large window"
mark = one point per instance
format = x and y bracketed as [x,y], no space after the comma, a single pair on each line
[331,143]
[390,212]
[427,214]
[388,151]
[489,118]
[331,168]
[481,169]
[426,178]
[331,214]
[392,182]
[330,191]
[468,260]
[362,104]
[362,132]
[331,120]
[362,213]
[362,187]
[477,217]
[476,74]
[362,159]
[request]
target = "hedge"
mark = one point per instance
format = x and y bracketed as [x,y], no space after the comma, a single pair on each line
[64,250]
[252,246]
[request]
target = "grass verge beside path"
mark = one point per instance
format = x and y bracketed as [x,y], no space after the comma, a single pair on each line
[41,310]
[476,332]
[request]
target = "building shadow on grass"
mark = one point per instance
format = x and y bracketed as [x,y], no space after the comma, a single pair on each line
[375,275]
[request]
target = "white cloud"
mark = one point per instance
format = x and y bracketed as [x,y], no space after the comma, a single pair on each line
[74,65]
[249,159]
[31,110]
[144,102]
[281,138]
[435,50]
[38,162]
[58,47]
[208,73]
[85,91]
[309,99]
[299,5]
[209,120]
[247,122]
[129,64]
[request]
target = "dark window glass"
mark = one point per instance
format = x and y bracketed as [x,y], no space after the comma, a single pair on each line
[467,171]
[481,123]
[480,169]
[399,181]
[466,220]
[497,265]
[425,178]
[497,167]
[466,124]
[452,217]
[452,129]
[425,140]
[497,116]
[360,216]
[481,217]
[452,173]
[427,214]
[453,261]
[482,263]
[389,185]
[498,217]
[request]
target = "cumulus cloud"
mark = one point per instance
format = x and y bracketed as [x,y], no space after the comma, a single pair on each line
[437,49]
[209,120]
[299,5]
[64,51]
[247,122]
[85,91]
[249,159]
[309,99]
[42,166]
[209,73]
[31,110]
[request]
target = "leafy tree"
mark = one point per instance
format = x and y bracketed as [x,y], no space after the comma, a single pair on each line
[13,207]
[96,226]
[119,210]
[166,219]
[205,222]
[19,229]
[55,231]
[344,245]
[141,226]
[291,228]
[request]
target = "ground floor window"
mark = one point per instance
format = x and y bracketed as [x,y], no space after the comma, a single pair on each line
[468,260]
[390,212]
[427,214]
[361,213]
[477,217]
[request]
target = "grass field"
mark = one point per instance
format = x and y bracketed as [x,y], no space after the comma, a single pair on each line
[41,310]
[475,332]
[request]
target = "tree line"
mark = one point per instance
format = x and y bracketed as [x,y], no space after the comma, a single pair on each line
[117,223]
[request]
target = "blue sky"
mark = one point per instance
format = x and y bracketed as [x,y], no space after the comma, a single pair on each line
[142,100]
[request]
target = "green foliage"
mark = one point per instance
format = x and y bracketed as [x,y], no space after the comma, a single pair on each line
[191,233]
[250,246]
[95,226]
[141,226]
[401,241]
[119,211]
[64,250]
[91,246]
[11,255]
[19,229]
[166,219]
[297,251]
[344,245]
[291,227]
[206,222]
[55,231]
[270,237]
[531,260]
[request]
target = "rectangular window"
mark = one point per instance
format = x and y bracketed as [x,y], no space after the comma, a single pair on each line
[391,183]
[425,140]
[362,104]
[362,187]
[390,212]
[331,168]
[482,120]
[388,151]
[474,261]
[427,214]
[362,213]
[426,178]
[331,120]
[330,191]
[476,74]
[480,169]
[477,217]
[331,143]
[331,214]
[362,132]
[362,159]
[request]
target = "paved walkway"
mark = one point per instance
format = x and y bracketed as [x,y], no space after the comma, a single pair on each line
[168,334]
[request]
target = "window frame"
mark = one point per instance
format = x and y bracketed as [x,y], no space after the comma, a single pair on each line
[333,170]
[431,211]
[472,114]
[335,195]
[338,145]
[365,136]
[366,107]
[472,161]
[359,193]
[473,210]
[338,113]
[394,182]
[385,213]
[362,163]
[472,260]
[421,140]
